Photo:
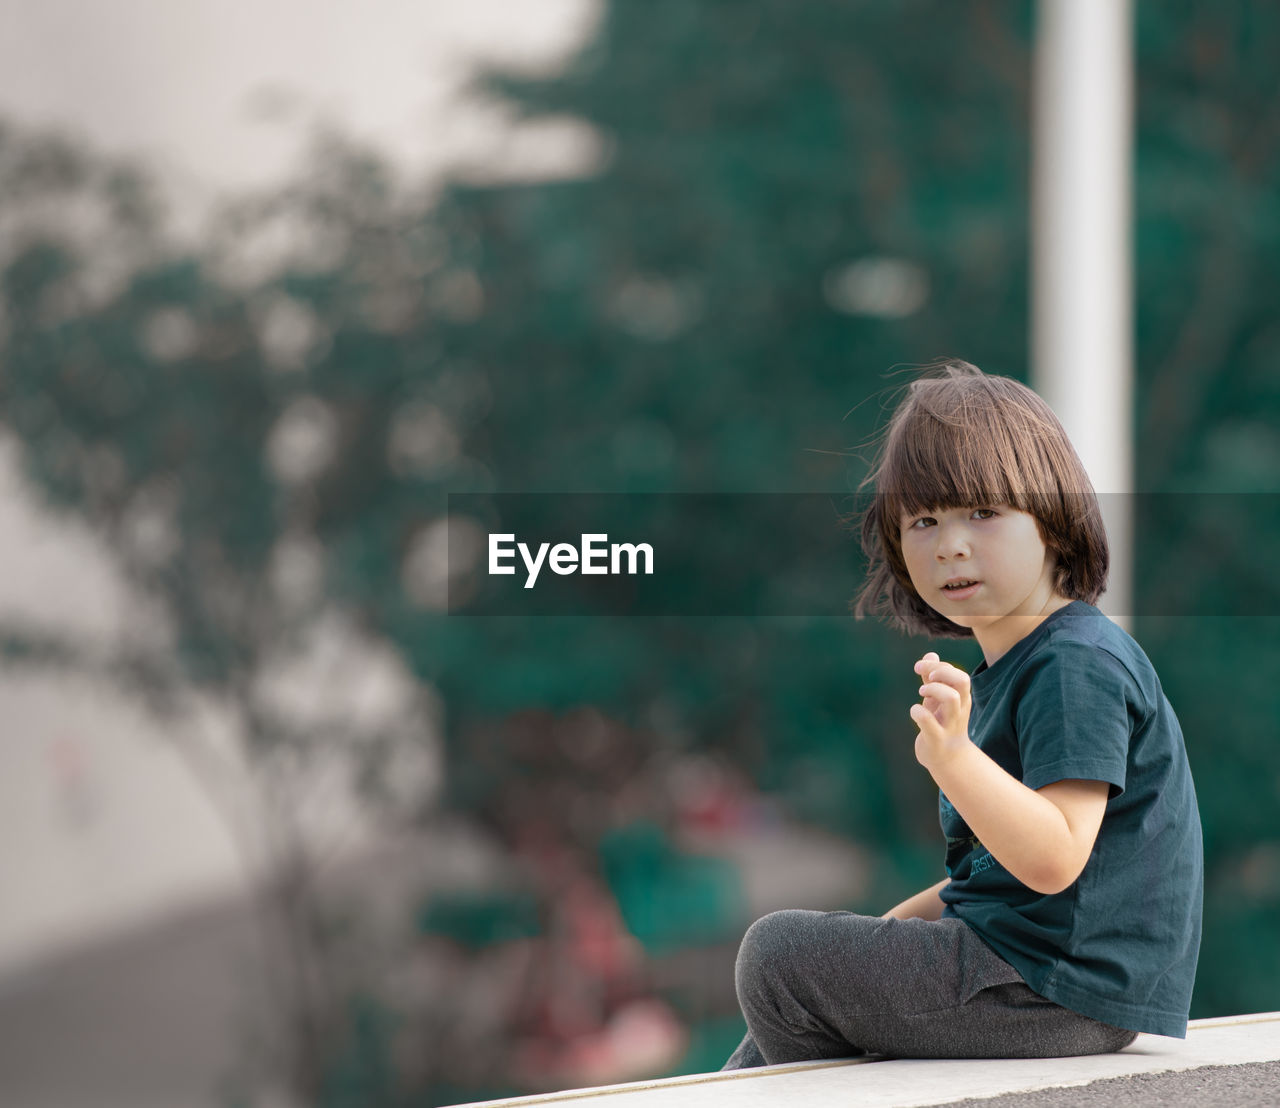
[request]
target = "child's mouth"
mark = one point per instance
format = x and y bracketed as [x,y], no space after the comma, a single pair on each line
[960,589]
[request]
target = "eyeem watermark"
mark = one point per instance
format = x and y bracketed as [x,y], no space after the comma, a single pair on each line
[590,557]
[761,555]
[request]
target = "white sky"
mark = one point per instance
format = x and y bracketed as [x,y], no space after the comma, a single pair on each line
[223,94]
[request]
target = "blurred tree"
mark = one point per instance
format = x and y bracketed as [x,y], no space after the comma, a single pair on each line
[1208,276]
[155,400]
[785,208]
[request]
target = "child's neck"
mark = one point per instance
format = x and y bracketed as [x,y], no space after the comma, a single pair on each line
[997,640]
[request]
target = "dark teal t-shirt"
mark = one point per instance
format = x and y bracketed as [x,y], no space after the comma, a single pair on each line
[1078,698]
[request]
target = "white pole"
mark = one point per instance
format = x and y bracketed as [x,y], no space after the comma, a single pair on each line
[1081,327]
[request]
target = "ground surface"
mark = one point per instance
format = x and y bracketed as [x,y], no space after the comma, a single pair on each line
[1246,1086]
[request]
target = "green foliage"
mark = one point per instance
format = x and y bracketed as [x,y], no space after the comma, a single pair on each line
[364,1073]
[670,899]
[481,918]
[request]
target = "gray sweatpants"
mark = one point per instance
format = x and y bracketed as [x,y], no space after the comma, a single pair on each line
[835,984]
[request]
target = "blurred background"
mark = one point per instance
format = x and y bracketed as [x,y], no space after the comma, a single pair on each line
[277,830]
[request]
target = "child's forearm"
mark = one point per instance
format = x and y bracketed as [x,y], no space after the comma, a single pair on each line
[1027,832]
[924,905]
[1043,837]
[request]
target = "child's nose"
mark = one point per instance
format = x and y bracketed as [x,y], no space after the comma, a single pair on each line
[953,541]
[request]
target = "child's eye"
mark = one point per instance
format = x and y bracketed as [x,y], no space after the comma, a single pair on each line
[984,513]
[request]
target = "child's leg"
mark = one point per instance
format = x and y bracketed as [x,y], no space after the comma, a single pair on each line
[746,1057]
[835,984]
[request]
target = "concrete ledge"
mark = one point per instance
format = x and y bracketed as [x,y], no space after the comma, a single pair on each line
[908,1083]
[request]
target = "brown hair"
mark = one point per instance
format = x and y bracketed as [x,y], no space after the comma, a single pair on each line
[962,438]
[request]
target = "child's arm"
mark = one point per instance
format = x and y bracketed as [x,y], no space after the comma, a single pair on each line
[1044,836]
[924,905]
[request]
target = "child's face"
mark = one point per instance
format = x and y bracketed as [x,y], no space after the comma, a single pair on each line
[999,548]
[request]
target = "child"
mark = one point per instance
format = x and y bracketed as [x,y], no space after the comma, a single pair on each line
[1069,919]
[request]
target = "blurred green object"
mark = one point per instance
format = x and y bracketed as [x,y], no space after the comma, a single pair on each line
[670,899]
[481,918]
[364,1072]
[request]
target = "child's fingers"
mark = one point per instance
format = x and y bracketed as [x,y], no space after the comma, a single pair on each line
[923,718]
[930,727]
[931,657]
[949,675]
[939,691]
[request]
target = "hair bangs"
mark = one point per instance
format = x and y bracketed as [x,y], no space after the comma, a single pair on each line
[941,463]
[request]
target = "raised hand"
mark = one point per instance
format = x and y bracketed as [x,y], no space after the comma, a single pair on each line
[942,716]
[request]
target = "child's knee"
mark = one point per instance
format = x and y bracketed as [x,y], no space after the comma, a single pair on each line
[773,934]
[766,949]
